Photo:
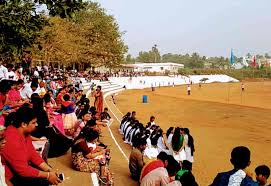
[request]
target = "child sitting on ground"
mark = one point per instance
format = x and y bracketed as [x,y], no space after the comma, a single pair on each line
[262,174]
[105,117]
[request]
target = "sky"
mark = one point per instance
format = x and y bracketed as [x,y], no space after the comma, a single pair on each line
[209,27]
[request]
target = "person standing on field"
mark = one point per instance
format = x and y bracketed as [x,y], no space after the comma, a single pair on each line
[243,87]
[188,90]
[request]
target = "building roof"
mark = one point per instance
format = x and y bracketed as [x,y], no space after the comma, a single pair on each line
[152,64]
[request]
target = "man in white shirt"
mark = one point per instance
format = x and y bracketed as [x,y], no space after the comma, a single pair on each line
[3,71]
[10,73]
[29,89]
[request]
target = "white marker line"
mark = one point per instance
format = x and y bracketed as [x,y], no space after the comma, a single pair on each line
[111,133]
[118,110]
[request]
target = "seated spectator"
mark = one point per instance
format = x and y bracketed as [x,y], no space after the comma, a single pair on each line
[2,168]
[28,90]
[152,150]
[177,144]
[124,119]
[151,122]
[189,147]
[105,116]
[240,159]
[262,174]
[19,156]
[55,118]
[136,161]
[155,172]
[184,176]
[81,123]
[88,157]
[14,96]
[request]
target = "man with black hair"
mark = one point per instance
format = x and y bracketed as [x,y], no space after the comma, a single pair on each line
[28,90]
[240,159]
[136,161]
[23,165]
[155,172]
[262,174]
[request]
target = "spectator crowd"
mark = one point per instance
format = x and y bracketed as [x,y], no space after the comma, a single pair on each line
[47,106]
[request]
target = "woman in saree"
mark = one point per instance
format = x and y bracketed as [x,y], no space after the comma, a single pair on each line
[87,156]
[98,103]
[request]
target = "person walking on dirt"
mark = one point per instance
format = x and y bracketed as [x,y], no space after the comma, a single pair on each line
[243,87]
[188,90]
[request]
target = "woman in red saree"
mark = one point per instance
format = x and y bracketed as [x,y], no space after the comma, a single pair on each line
[98,103]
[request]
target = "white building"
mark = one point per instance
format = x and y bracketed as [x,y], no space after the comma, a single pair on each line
[154,67]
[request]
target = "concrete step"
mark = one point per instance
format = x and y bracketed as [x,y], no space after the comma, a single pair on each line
[112,88]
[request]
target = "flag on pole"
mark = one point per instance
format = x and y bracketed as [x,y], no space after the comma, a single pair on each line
[232,58]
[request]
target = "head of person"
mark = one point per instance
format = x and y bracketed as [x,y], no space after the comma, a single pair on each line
[105,109]
[66,97]
[173,166]
[47,98]
[128,114]
[19,84]
[89,135]
[99,88]
[10,67]
[92,136]
[93,125]
[133,114]
[85,115]
[152,118]
[34,86]
[140,144]
[187,179]
[5,86]
[186,165]
[163,157]
[262,174]
[42,84]
[240,157]
[26,120]
[37,103]
[170,131]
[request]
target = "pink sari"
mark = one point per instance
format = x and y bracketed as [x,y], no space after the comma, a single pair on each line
[57,118]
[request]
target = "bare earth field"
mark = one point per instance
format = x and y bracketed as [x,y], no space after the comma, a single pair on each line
[219,117]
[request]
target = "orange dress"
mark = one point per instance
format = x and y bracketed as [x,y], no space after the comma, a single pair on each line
[98,103]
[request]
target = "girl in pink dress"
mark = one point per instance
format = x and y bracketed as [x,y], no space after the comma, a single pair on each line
[54,117]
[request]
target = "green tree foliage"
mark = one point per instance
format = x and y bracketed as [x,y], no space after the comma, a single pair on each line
[20,23]
[62,8]
[91,37]
[130,59]
[151,56]
[19,27]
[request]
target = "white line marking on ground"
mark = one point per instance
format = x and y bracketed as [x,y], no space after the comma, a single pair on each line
[110,131]
[94,178]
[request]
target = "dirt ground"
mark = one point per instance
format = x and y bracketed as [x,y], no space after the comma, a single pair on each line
[219,116]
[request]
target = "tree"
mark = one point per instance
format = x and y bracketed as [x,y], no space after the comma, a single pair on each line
[144,57]
[19,27]
[91,37]
[63,8]
[20,23]
[130,59]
